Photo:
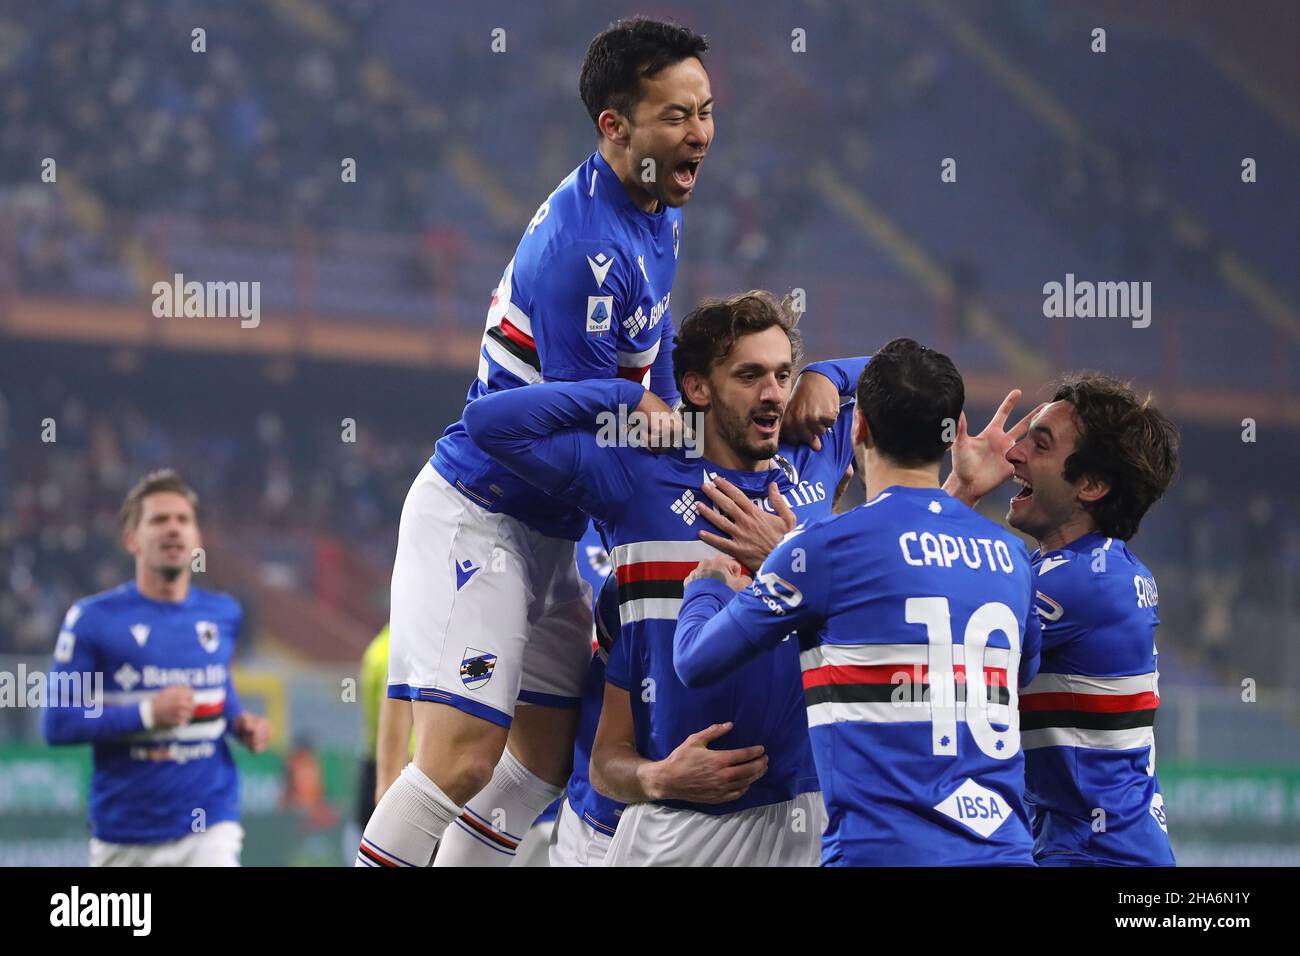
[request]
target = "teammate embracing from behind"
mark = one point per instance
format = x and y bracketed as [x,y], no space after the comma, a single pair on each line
[1089,465]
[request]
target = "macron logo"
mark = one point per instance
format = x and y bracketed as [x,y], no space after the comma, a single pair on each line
[464,571]
[1050,563]
[600,267]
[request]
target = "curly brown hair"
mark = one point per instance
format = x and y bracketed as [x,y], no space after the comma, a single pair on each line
[709,333]
[1123,440]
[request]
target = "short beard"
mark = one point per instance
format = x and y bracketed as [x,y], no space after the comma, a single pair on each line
[733,430]
[169,574]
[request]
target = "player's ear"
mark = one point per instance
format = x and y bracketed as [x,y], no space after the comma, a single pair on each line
[861,430]
[613,126]
[130,541]
[695,389]
[1092,489]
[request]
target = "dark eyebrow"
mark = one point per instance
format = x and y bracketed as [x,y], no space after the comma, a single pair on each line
[759,367]
[1042,430]
[686,109]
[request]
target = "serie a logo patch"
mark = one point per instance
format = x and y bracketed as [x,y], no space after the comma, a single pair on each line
[476,668]
[600,312]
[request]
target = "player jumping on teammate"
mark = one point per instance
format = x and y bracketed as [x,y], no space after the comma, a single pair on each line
[488,610]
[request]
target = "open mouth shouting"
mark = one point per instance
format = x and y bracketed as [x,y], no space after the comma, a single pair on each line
[687,172]
[1025,493]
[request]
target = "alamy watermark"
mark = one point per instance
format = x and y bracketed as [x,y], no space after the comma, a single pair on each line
[1100,300]
[208,300]
[636,429]
[37,689]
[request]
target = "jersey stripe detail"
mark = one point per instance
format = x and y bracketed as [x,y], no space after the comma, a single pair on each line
[886,655]
[500,351]
[643,359]
[641,551]
[1128,738]
[1084,684]
[524,353]
[1089,703]
[651,577]
[517,335]
[655,571]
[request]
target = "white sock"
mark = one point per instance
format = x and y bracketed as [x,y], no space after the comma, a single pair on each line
[495,820]
[407,823]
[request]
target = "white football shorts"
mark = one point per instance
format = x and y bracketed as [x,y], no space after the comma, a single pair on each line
[218,845]
[576,842]
[777,834]
[485,610]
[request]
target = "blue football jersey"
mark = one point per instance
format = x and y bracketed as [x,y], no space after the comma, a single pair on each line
[916,625]
[148,785]
[1087,720]
[585,296]
[646,506]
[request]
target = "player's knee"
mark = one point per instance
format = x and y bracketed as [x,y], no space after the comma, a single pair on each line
[460,777]
[468,775]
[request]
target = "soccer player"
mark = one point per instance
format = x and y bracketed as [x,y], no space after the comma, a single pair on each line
[165,791]
[915,622]
[1089,465]
[588,818]
[487,607]
[754,803]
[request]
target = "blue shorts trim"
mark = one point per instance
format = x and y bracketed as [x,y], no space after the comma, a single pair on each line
[472,707]
[548,700]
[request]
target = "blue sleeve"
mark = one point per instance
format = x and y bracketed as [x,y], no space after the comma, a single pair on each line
[1031,645]
[74,714]
[714,638]
[553,435]
[662,382]
[839,440]
[233,707]
[582,291]
[844,373]
[616,668]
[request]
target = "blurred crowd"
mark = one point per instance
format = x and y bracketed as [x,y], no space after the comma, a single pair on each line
[263,484]
[257,121]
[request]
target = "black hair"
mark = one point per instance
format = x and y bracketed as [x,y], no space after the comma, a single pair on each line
[911,397]
[628,50]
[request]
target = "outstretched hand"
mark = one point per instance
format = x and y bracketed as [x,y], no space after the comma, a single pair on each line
[979,462]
